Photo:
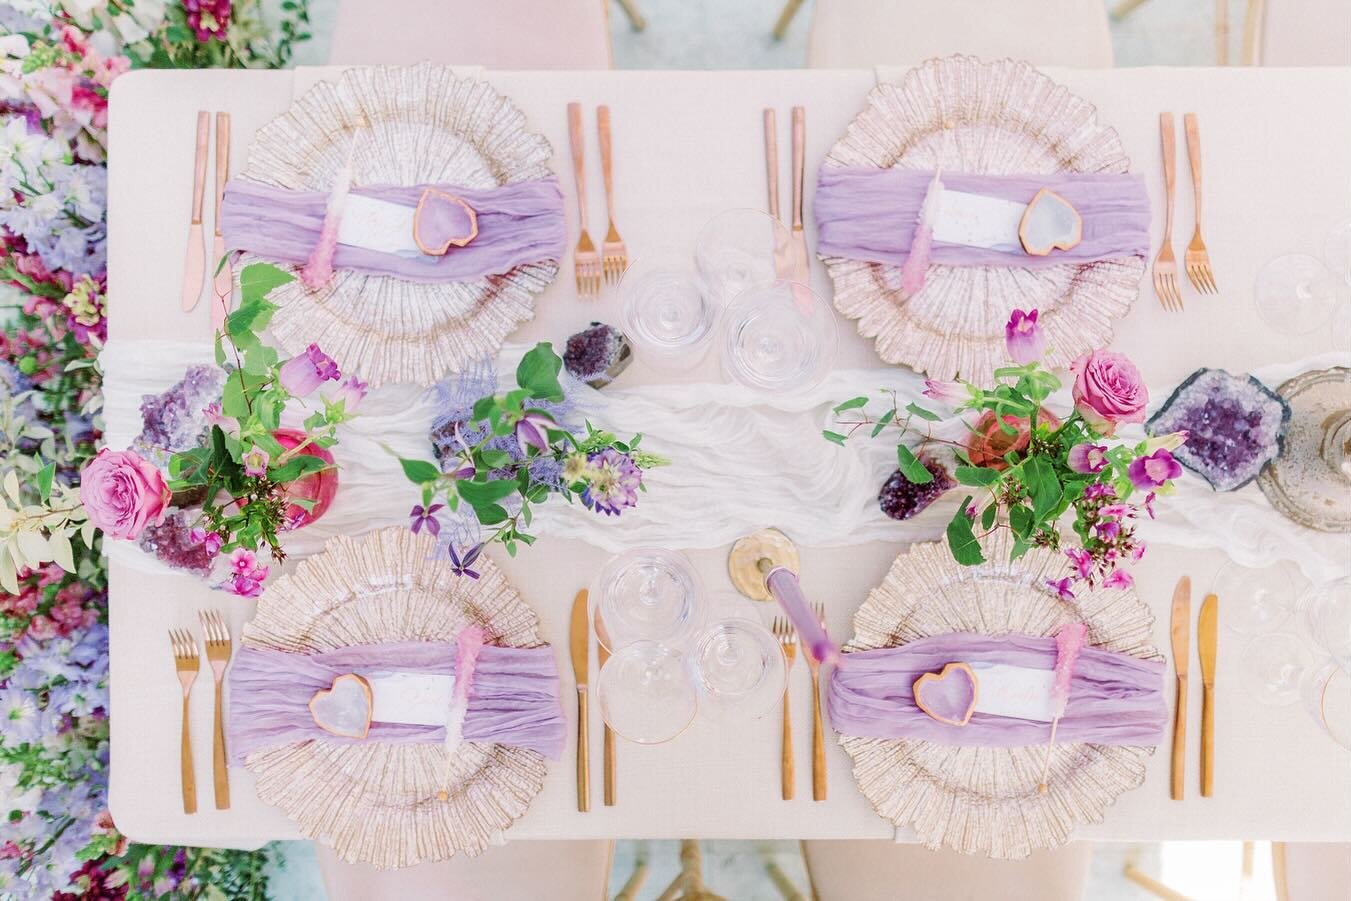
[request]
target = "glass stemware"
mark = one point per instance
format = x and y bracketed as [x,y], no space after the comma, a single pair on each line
[738,669]
[1273,668]
[1296,294]
[741,248]
[665,312]
[1325,616]
[650,594]
[645,693]
[1256,601]
[1327,697]
[778,337]
[1337,250]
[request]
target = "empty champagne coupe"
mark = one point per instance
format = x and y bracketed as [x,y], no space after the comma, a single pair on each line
[645,693]
[741,248]
[738,669]
[1296,293]
[665,311]
[1257,600]
[778,337]
[650,594]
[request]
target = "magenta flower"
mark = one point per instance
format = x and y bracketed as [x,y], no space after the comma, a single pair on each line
[1149,504]
[1107,529]
[1082,561]
[1154,470]
[1088,458]
[532,430]
[211,541]
[1108,390]
[255,462]
[228,424]
[350,392]
[1024,338]
[301,374]
[1119,511]
[246,586]
[1138,552]
[247,573]
[951,393]
[427,517]
[1064,588]
[1099,491]
[122,494]
[1118,578]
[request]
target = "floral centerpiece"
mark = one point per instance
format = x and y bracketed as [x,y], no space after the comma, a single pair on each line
[502,454]
[1029,468]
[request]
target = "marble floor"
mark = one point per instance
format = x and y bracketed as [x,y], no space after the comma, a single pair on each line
[735,34]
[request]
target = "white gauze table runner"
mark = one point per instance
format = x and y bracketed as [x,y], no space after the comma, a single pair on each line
[740,460]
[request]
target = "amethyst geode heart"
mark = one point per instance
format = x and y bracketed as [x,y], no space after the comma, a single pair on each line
[1235,425]
[948,696]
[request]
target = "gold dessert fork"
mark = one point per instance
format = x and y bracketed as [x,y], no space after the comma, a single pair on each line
[787,636]
[818,731]
[187,663]
[1197,259]
[615,256]
[218,654]
[1165,264]
[585,260]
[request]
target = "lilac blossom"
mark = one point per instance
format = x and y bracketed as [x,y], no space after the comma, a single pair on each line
[1088,458]
[1154,470]
[1023,337]
[303,373]
[613,481]
[421,517]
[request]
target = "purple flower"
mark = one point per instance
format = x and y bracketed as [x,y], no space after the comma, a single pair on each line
[210,541]
[1118,578]
[532,430]
[1099,491]
[247,574]
[1082,561]
[228,424]
[255,462]
[951,393]
[427,517]
[1088,458]
[1154,470]
[1107,529]
[1023,337]
[301,374]
[460,565]
[1062,587]
[1118,511]
[1149,504]
[1108,390]
[350,392]
[1138,552]
[613,480]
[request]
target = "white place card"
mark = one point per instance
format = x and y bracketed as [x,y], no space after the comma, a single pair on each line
[1014,691]
[974,220]
[418,699]
[378,225]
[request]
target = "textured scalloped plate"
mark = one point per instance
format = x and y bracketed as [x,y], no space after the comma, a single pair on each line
[393,805]
[979,800]
[1008,119]
[1302,483]
[419,124]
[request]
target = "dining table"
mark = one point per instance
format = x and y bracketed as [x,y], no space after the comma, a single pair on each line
[688,145]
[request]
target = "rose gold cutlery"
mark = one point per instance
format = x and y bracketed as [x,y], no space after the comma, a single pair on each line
[1165,264]
[194,261]
[818,731]
[580,645]
[186,663]
[783,251]
[218,655]
[1197,258]
[608,748]
[1180,630]
[801,263]
[787,636]
[222,280]
[1207,639]
[586,262]
[614,255]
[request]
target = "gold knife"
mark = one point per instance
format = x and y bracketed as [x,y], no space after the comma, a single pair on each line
[801,265]
[1181,634]
[194,261]
[1206,641]
[222,281]
[580,640]
[608,748]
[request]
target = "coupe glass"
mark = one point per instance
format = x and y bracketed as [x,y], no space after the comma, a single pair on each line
[1337,250]
[741,248]
[666,314]
[1256,601]
[650,594]
[1327,698]
[738,669]
[1296,294]
[778,337]
[645,693]
[1273,668]
[1325,615]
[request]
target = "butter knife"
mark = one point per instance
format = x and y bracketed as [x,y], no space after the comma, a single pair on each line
[608,748]
[1207,638]
[1181,634]
[580,641]
[784,251]
[801,267]
[222,280]
[194,262]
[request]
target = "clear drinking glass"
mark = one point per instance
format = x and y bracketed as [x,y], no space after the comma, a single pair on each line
[778,337]
[1257,601]
[1337,250]
[740,248]
[1325,615]
[650,594]
[665,311]
[738,670]
[1327,697]
[1296,294]
[1273,667]
[645,692]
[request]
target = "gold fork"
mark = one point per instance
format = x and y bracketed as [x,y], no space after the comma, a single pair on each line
[585,260]
[818,732]
[1197,259]
[187,663]
[615,256]
[787,636]
[1165,264]
[218,654]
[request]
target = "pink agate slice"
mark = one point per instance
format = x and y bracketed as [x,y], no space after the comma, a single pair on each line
[441,221]
[948,696]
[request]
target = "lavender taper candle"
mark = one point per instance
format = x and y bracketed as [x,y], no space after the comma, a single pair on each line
[783,583]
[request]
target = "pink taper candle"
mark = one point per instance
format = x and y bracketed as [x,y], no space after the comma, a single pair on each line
[783,584]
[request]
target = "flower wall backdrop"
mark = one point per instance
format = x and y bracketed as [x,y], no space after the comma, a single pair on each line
[57,61]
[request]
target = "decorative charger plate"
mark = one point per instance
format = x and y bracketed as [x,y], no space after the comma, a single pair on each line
[1310,482]
[419,125]
[1008,119]
[983,800]
[393,805]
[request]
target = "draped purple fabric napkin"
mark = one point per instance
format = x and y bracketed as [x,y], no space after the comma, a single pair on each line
[870,214]
[1115,699]
[517,223]
[513,696]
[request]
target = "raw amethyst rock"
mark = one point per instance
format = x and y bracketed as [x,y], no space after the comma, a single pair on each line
[597,355]
[171,542]
[901,498]
[1235,426]
[174,420]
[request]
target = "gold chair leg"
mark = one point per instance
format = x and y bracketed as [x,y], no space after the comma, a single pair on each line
[1221,32]
[1152,885]
[781,881]
[1254,24]
[633,14]
[1279,874]
[1125,8]
[635,881]
[786,18]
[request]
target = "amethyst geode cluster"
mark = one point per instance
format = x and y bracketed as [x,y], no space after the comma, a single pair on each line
[597,354]
[901,498]
[1235,425]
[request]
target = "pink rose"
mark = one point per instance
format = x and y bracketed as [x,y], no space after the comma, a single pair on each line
[1108,390]
[122,493]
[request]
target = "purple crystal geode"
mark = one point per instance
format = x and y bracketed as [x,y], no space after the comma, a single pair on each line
[1235,426]
[597,355]
[901,498]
